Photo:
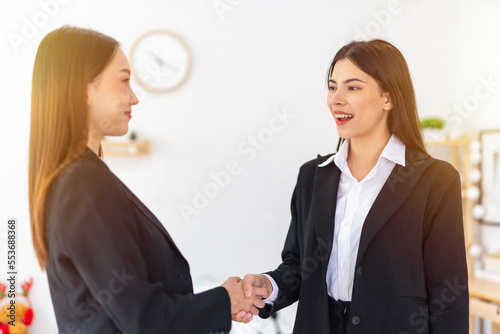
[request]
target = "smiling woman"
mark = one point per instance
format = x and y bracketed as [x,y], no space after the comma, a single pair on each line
[376,240]
[387,78]
[111,265]
[357,91]
[110,101]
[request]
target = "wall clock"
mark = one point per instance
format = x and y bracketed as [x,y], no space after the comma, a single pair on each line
[160,61]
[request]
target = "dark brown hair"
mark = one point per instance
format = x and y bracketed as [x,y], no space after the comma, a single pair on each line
[67,61]
[384,62]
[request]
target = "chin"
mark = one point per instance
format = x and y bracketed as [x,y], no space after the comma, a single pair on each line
[123,131]
[344,134]
[118,133]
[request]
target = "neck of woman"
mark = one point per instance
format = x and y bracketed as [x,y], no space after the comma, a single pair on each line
[364,154]
[94,141]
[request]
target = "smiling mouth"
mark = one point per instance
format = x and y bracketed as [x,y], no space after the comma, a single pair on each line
[343,116]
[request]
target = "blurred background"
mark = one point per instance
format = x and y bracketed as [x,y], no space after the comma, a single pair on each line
[225,147]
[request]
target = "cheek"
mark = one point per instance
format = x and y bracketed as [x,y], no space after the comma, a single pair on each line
[99,100]
[113,102]
[121,97]
[369,106]
[96,110]
[104,109]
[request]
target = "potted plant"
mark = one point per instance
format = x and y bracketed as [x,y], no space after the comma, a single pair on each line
[133,137]
[432,128]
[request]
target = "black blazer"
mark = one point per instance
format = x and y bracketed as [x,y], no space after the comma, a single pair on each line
[113,267]
[411,272]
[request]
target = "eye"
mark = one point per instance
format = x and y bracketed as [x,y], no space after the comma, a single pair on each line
[353,88]
[332,88]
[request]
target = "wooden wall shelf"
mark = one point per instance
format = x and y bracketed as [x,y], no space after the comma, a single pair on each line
[484,303]
[126,148]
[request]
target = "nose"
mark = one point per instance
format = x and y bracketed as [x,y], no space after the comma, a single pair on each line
[336,98]
[133,98]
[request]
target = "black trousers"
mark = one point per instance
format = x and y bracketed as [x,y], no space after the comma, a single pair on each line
[339,315]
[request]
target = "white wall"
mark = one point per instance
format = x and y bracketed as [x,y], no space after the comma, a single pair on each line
[261,57]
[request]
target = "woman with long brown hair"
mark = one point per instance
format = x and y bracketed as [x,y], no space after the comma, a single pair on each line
[111,265]
[376,242]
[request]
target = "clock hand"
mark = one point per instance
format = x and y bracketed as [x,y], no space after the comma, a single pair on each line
[162,62]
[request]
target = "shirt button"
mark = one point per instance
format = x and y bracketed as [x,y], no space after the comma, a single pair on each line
[344,265]
[356,320]
[359,271]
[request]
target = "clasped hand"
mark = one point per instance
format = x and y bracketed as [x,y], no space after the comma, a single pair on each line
[247,295]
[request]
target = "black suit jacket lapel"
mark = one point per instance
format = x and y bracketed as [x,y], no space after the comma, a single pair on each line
[393,194]
[326,185]
[149,215]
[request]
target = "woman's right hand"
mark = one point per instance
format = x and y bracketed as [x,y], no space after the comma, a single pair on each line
[244,306]
[253,284]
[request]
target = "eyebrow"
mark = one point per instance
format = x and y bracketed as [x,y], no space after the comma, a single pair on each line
[347,81]
[126,70]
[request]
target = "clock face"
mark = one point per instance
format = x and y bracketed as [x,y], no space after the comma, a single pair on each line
[160,61]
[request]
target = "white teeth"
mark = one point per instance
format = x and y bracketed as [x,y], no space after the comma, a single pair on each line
[343,116]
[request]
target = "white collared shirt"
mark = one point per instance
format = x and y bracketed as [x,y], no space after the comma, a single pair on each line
[354,201]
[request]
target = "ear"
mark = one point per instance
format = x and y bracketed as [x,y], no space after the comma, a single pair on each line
[388,101]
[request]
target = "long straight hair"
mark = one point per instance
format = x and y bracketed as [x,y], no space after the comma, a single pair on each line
[384,62]
[67,61]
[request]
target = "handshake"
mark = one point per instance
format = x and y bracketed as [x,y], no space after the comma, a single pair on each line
[247,295]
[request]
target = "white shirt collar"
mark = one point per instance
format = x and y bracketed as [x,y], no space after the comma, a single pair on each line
[394,151]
